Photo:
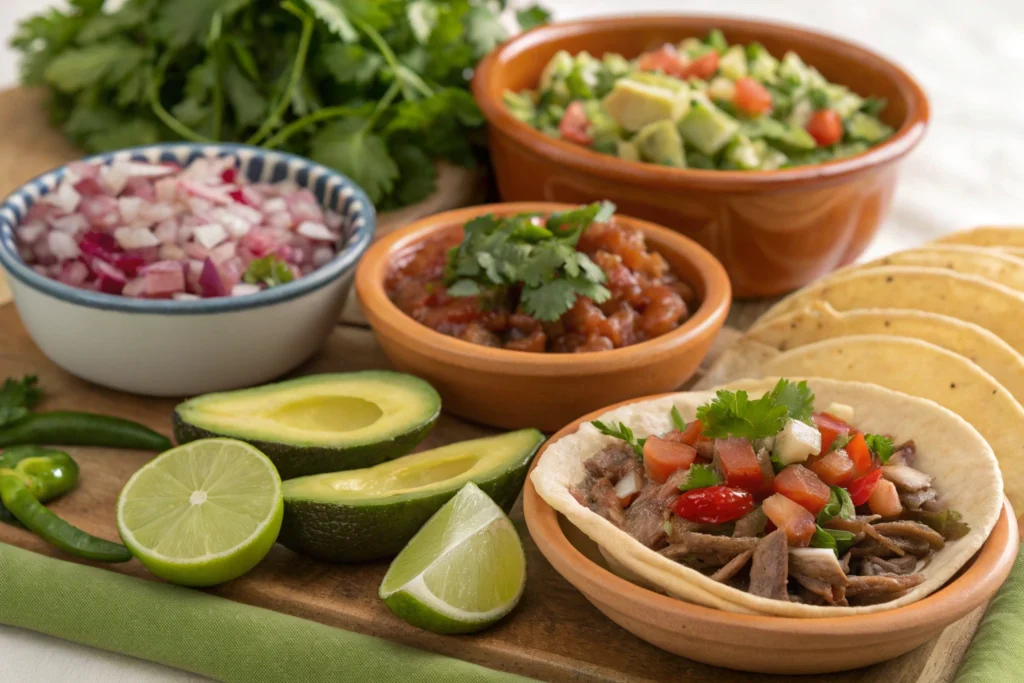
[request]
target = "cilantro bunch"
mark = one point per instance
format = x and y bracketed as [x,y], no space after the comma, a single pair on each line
[377,89]
[532,256]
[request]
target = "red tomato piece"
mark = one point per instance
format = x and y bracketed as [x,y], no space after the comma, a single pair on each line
[835,468]
[861,489]
[735,459]
[802,486]
[752,97]
[830,427]
[704,67]
[665,59]
[797,523]
[713,505]
[692,432]
[860,454]
[825,127]
[574,125]
[662,457]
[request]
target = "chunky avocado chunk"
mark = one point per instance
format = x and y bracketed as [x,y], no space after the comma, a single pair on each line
[320,423]
[659,80]
[742,154]
[660,143]
[733,63]
[864,128]
[634,104]
[520,105]
[707,127]
[372,513]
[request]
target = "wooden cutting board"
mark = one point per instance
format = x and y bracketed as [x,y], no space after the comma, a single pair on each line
[29,146]
[554,634]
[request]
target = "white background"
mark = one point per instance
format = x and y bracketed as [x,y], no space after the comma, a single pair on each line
[969,171]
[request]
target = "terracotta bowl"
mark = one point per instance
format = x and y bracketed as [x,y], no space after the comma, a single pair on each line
[764,644]
[774,231]
[514,389]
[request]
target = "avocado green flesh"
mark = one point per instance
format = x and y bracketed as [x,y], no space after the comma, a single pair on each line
[372,513]
[321,423]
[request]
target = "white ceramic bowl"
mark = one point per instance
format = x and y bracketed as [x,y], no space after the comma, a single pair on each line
[179,348]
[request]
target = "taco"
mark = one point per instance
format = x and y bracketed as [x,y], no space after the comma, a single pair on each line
[987,236]
[901,364]
[806,499]
[965,297]
[819,321]
[1005,269]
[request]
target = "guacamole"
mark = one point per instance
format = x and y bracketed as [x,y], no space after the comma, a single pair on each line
[701,104]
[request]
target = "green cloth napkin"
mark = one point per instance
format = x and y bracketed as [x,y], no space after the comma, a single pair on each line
[997,653]
[202,633]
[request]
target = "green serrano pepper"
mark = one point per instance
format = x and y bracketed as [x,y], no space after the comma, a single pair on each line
[30,476]
[81,429]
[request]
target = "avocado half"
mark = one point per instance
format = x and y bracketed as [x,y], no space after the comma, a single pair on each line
[372,513]
[320,423]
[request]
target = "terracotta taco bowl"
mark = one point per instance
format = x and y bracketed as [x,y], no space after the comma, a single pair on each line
[738,637]
[773,230]
[514,389]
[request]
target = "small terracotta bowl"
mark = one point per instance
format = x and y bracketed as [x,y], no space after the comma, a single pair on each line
[774,231]
[764,644]
[515,389]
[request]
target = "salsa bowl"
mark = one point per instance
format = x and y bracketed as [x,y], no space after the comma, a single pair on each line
[761,643]
[166,347]
[516,389]
[774,230]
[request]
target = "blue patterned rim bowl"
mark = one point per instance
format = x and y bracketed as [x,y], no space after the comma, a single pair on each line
[176,348]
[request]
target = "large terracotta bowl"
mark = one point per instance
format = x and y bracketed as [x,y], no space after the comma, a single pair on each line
[764,644]
[513,389]
[774,231]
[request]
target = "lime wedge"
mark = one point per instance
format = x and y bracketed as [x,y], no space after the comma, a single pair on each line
[463,571]
[203,513]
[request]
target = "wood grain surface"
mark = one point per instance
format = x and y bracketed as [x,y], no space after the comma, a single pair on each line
[29,146]
[554,634]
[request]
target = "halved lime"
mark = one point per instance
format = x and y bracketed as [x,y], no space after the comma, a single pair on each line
[463,571]
[203,513]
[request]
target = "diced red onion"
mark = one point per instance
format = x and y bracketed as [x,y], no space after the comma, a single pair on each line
[157,230]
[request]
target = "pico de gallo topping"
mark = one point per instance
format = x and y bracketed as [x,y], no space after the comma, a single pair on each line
[574,281]
[701,104]
[772,497]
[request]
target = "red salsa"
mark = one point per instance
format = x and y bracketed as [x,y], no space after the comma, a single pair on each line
[644,298]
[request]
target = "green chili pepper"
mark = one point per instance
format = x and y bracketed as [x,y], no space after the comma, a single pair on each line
[81,429]
[30,476]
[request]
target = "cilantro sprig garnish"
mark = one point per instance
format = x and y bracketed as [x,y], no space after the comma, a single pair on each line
[270,270]
[836,540]
[374,89]
[17,398]
[881,446]
[732,413]
[839,505]
[701,477]
[621,431]
[536,255]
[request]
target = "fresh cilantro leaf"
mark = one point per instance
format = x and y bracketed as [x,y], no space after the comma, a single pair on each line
[677,420]
[180,22]
[464,288]
[422,15]
[17,398]
[249,105]
[417,177]
[77,69]
[621,431]
[569,225]
[701,477]
[873,106]
[346,146]
[127,134]
[269,270]
[484,30]
[840,442]
[881,446]
[836,540]
[550,301]
[333,14]
[839,505]
[532,17]
[798,399]
[351,63]
[732,413]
